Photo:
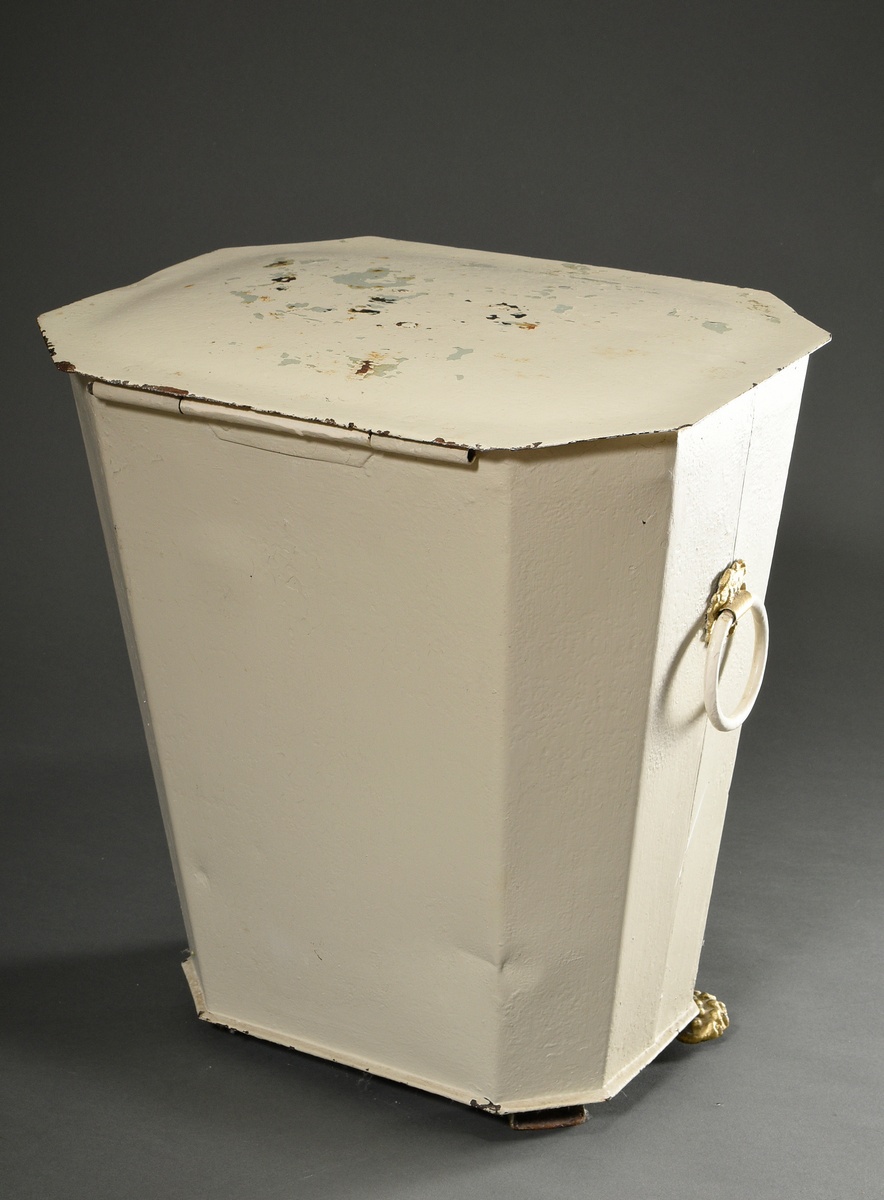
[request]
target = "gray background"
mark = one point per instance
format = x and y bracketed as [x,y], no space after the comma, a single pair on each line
[740,143]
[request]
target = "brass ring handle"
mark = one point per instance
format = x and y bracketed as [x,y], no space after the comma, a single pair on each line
[720,626]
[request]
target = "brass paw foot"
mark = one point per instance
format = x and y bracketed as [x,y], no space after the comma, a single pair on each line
[711,1022]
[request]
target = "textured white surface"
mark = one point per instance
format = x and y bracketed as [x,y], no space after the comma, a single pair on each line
[430,739]
[431,344]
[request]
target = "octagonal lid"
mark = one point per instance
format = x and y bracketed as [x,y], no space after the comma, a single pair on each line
[430,343]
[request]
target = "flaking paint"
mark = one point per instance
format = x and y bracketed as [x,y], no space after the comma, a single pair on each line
[612,366]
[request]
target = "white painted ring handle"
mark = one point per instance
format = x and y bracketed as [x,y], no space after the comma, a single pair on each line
[721,627]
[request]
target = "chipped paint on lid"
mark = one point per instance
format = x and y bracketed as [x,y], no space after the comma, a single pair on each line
[431,343]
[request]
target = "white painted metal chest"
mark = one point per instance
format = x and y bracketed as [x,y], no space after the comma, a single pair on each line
[414,548]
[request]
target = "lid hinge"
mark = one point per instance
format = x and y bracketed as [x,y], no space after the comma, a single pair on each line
[227,415]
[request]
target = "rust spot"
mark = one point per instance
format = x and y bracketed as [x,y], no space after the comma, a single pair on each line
[171,391]
[280,262]
[65,366]
[364,367]
[527,324]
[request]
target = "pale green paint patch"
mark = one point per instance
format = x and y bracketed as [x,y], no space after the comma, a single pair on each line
[316,308]
[459,352]
[288,360]
[560,308]
[363,279]
[374,277]
[717,326]
[458,377]
[375,366]
[260,316]
[388,368]
[246,297]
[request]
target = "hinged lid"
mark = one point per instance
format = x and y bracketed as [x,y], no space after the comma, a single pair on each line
[434,344]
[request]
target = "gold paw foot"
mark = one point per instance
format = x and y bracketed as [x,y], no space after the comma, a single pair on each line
[711,1022]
